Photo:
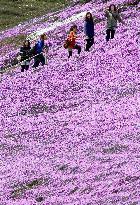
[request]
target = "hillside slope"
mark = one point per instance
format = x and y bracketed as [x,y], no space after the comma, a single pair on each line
[70,132]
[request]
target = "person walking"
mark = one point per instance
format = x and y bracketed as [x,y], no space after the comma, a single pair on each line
[72,41]
[89,31]
[25,55]
[38,51]
[113,16]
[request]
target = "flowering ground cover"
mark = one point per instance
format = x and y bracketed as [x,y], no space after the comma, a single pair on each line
[12,38]
[70,132]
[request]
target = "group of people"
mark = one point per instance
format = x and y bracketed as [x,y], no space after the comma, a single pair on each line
[37,52]
[26,52]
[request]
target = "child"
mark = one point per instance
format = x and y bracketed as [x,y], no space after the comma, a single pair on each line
[72,41]
[39,48]
[89,30]
[112,18]
[25,55]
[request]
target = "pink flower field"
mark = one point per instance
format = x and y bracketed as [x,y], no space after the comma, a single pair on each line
[70,132]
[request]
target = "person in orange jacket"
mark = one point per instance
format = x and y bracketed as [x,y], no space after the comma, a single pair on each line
[72,41]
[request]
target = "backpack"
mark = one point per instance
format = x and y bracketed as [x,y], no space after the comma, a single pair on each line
[66,44]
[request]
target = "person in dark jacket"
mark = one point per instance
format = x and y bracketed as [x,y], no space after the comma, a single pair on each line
[72,41]
[112,17]
[25,55]
[39,47]
[89,30]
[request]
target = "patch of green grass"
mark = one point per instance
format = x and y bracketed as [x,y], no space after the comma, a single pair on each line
[15,41]
[16,11]
[16,193]
[34,183]
[74,190]
[22,188]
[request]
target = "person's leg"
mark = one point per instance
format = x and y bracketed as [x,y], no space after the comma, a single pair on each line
[46,60]
[112,33]
[27,63]
[27,67]
[36,62]
[108,34]
[87,44]
[91,42]
[22,68]
[78,48]
[42,59]
[70,52]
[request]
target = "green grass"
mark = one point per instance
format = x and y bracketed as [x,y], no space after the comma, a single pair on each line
[20,189]
[15,41]
[13,12]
